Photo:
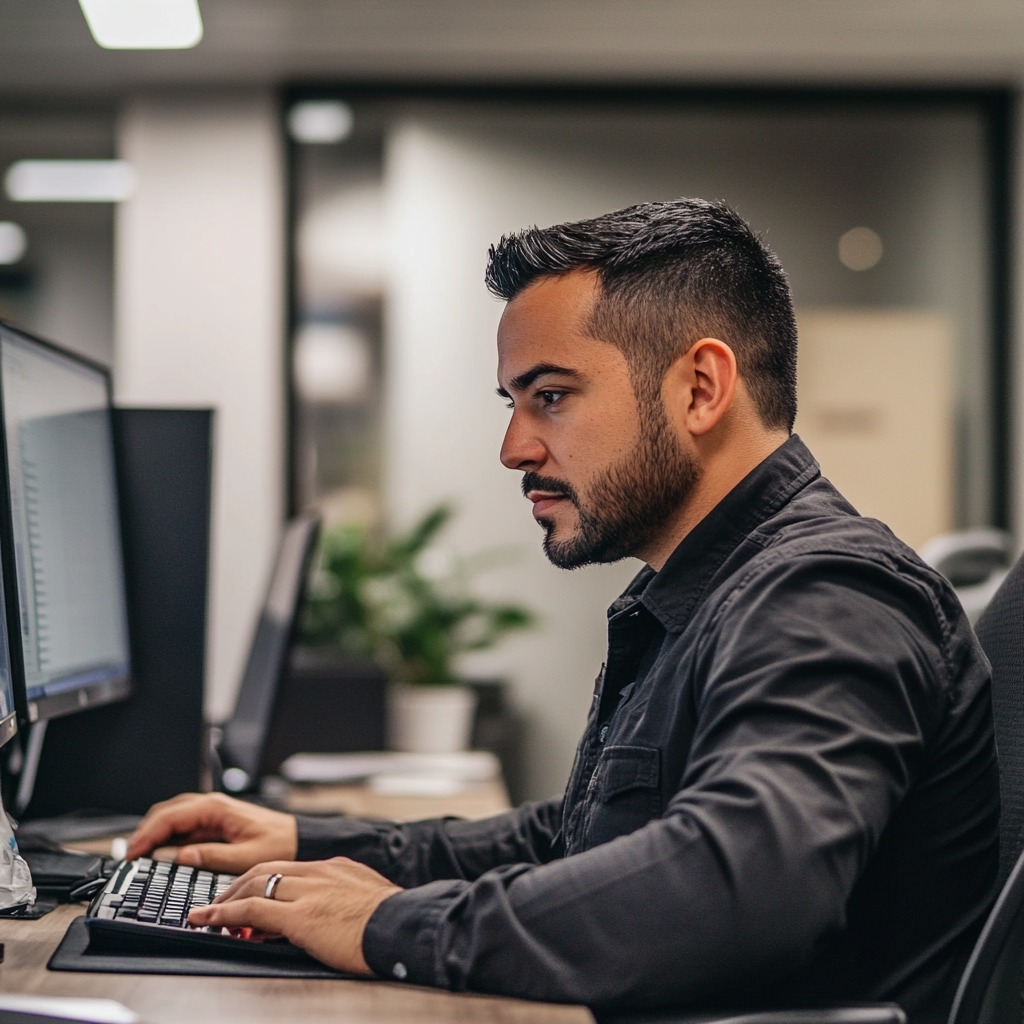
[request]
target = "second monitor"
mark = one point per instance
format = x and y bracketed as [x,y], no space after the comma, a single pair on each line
[66,593]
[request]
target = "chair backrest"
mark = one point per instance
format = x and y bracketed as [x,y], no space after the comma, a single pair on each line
[1001,632]
[990,990]
[974,561]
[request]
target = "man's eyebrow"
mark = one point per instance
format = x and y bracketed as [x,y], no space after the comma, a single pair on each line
[523,380]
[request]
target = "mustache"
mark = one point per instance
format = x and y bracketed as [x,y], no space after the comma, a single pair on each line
[548,484]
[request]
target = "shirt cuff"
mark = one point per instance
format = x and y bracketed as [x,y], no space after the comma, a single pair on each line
[400,939]
[323,837]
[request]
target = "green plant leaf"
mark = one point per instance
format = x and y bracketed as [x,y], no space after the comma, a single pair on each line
[372,596]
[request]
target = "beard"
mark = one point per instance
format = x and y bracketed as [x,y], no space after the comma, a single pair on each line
[627,506]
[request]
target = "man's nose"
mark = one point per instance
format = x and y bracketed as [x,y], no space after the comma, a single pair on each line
[521,448]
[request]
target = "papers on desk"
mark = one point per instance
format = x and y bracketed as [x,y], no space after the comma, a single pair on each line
[69,1008]
[395,774]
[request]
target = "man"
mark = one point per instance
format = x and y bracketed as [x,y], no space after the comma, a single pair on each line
[786,792]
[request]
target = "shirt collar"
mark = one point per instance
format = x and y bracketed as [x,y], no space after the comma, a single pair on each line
[671,594]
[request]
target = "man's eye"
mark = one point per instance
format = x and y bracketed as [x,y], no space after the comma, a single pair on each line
[551,397]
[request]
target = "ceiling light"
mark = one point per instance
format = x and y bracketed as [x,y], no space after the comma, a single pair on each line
[860,249]
[12,242]
[144,24]
[320,121]
[69,181]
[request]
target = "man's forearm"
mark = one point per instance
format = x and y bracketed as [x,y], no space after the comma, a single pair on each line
[441,848]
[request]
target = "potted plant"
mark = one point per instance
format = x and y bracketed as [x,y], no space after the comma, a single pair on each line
[399,600]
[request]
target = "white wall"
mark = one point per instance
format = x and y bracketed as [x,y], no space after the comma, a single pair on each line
[199,285]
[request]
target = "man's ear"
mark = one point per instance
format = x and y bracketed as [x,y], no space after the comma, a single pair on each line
[700,385]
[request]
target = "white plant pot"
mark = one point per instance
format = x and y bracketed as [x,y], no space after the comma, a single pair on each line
[430,719]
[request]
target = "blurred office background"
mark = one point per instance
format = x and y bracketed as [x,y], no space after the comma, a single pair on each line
[315,186]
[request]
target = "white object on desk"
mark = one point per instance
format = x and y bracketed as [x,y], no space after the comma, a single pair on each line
[416,785]
[93,1011]
[396,773]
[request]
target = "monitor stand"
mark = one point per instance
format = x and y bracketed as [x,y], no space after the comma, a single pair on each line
[28,769]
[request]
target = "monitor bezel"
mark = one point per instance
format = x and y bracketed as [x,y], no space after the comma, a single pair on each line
[102,692]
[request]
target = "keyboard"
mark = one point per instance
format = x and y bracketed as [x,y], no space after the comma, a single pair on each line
[144,905]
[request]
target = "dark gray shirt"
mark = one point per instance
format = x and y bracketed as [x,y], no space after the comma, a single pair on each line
[786,792]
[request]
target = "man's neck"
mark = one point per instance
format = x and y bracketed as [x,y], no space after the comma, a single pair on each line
[722,469]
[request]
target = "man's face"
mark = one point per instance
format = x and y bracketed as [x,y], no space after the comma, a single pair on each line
[606,473]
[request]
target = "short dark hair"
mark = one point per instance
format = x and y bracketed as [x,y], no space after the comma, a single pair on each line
[670,274]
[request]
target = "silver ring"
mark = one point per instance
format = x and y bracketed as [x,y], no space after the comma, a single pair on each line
[271,888]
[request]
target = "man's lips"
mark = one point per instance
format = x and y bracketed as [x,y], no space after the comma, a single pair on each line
[543,501]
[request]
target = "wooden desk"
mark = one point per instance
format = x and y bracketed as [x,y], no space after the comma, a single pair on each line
[164,999]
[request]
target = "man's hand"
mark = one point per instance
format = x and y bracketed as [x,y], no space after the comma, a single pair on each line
[217,832]
[322,906]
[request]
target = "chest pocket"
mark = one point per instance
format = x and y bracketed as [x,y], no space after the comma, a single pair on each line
[624,793]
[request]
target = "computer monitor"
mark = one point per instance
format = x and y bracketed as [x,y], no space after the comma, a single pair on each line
[66,609]
[242,745]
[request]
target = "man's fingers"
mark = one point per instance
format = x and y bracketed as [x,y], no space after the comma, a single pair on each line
[267,886]
[265,915]
[321,906]
[196,816]
[156,831]
[228,857]
[254,882]
[200,821]
[181,815]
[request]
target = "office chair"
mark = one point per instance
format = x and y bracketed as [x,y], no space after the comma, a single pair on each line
[974,561]
[991,988]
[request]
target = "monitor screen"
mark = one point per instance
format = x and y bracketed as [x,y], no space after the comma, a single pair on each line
[67,615]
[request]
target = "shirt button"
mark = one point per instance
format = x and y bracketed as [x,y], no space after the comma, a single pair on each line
[400,971]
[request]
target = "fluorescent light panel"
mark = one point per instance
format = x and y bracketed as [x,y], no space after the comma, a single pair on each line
[69,181]
[144,24]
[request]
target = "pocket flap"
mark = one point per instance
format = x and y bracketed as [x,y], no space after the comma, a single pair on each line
[626,768]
